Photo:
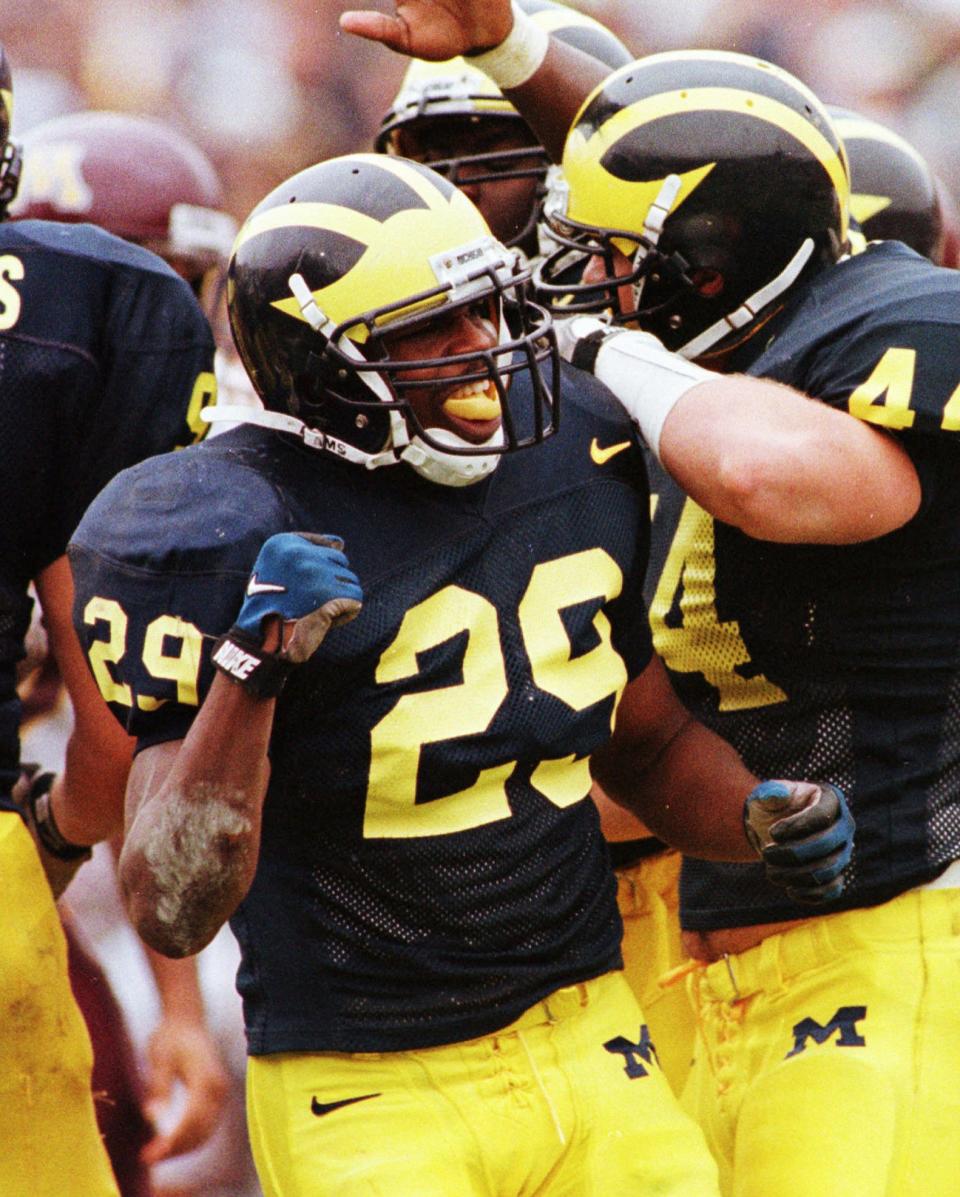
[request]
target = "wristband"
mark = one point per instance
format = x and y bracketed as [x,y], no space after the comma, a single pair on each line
[518,56]
[647,379]
[48,833]
[241,657]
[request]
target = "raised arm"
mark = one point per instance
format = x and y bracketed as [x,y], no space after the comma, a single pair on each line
[546,80]
[194,805]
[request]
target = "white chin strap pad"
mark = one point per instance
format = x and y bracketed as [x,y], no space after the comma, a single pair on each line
[450,469]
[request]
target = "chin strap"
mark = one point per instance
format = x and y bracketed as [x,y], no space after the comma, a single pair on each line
[451,469]
[747,312]
[446,469]
[657,213]
[283,422]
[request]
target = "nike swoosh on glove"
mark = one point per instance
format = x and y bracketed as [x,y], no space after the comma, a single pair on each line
[804,834]
[305,579]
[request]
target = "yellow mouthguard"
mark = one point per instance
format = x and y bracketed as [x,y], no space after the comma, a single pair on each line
[475,407]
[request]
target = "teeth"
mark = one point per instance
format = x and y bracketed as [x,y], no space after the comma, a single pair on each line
[473,401]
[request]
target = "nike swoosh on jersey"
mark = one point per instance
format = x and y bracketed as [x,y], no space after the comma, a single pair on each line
[602,456]
[325,1107]
[256,587]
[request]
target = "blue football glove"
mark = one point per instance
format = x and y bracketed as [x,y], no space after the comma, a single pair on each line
[804,834]
[303,579]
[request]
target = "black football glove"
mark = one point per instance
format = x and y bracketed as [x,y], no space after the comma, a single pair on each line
[804,834]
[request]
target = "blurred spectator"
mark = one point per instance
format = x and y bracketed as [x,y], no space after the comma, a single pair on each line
[269,86]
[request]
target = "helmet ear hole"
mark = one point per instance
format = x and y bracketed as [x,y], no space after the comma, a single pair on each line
[707,282]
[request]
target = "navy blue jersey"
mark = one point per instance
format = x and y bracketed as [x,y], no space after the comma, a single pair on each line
[836,663]
[430,864]
[105,358]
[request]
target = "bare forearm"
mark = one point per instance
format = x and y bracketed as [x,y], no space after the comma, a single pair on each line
[769,461]
[87,797]
[193,837]
[690,795]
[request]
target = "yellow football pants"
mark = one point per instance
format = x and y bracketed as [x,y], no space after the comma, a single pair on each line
[565,1101]
[51,1145]
[827,1057]
[648,900]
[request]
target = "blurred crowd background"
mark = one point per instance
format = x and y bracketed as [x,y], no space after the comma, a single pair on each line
[270,86]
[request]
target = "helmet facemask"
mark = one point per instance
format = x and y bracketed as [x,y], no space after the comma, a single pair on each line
[720,180]
[354,375]
[628,260]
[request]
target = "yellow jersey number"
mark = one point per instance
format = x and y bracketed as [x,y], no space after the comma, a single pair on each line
[204,394]
[884,398]
[703,643]
[11,271]
[172,650]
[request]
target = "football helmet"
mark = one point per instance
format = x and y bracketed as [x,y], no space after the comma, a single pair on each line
[341,258]
[721,179]
[893,192]
[458,96]
[134,176]
[10,160]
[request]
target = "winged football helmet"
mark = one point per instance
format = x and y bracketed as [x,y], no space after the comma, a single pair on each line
[346,255]
[9,150]
[893,192]
[457,95]
[134,176]
[718,175]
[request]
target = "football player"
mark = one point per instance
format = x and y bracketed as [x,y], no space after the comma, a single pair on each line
[453,117]
[806,575]
[106,358]
[894,195]
[143,180]
[395,816]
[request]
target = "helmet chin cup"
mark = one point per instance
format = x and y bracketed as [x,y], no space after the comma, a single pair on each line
[450,469]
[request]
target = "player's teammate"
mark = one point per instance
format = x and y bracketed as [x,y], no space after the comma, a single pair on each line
[814,619]
[395,815]
[105,359]
[454,118]
[894,195]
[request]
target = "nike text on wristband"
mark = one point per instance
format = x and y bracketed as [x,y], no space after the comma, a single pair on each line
[241,658]
[518,56]
[48,832]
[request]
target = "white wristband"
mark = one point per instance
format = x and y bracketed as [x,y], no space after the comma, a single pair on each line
[647,379]
[518,56]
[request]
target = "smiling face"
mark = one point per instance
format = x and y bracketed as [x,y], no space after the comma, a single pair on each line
[470,410]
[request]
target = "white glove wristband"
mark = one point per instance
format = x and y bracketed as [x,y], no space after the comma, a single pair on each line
[647,379]
[518,56]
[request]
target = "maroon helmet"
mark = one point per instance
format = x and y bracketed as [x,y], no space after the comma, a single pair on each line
[134,176]
[9,150]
